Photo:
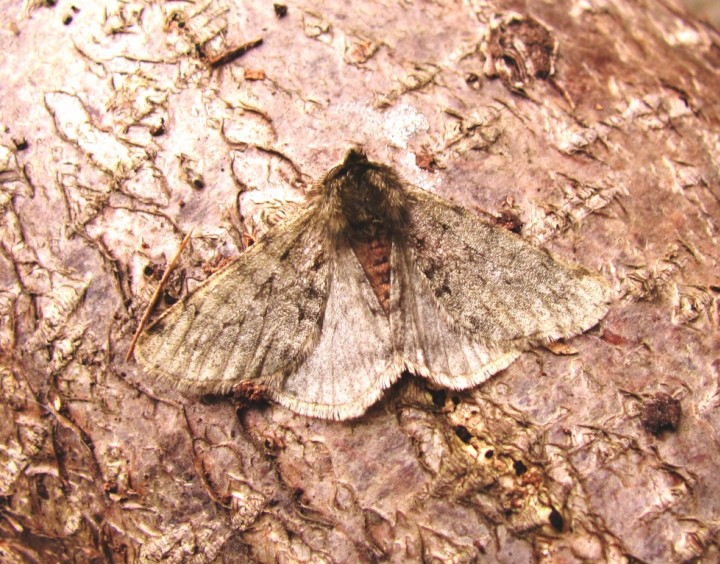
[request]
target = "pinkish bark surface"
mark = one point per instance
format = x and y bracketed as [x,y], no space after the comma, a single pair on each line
[595,123]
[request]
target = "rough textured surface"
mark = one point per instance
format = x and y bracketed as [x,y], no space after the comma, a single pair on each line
[119,135]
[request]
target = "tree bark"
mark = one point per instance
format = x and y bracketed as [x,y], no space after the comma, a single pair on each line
[591,125]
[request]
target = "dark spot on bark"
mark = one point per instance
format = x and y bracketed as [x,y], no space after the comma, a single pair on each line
[285,255]
[489,453]
[463,434]
[556,520]
[87,441]
[519,467]
[509,220]
[67,20]
[455,400]
[148,270]
[198,184]
[281,10]
[40,488]
[20,144]
[661,413]
[425,161]
[111,486]
[510,61]
[438,397]
[169,298]
[471,78]
[212,399]
[158,130]
[613,338]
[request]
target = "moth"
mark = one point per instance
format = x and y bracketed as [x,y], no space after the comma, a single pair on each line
[372,278]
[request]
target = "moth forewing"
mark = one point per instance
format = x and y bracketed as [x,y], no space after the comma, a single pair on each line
[250,321]
[496,286]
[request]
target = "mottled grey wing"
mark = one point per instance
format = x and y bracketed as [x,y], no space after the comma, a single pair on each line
[493,286]
[427,338]
[256,318]
[353,361]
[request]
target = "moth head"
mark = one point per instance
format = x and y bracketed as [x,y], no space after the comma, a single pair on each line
[355,155]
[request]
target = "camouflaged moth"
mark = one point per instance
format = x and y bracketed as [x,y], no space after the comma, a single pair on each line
[374,277]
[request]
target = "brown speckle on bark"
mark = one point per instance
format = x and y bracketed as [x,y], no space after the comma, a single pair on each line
[661,413]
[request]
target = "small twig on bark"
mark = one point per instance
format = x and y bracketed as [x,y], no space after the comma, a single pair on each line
[156,295]
[232,54]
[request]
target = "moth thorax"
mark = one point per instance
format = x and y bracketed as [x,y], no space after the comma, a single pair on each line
[365,203]
[361,206]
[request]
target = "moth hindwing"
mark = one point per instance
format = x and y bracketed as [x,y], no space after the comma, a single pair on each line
[372,278]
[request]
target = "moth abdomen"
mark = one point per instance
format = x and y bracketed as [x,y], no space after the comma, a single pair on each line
[373,250]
